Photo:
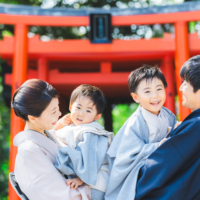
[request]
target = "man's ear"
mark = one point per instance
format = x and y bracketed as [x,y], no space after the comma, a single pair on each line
[70,107]
[32,119]
[135,97]
[97,117]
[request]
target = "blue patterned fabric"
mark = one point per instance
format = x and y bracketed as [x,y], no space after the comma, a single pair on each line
[128,153]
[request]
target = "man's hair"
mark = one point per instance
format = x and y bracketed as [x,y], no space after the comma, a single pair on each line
[145,72]
[190,72]
[91,92]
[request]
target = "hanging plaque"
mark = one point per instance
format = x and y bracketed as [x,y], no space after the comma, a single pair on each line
[100,28]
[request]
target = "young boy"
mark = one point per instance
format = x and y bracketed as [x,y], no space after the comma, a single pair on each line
[173,170]
[141,133]
[84,157]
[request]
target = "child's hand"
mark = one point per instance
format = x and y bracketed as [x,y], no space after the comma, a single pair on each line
[177,124]
[162,141]
[64,121]
[74,183]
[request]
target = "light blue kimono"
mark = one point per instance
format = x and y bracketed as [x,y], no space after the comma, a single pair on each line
[128,153]
[84,161]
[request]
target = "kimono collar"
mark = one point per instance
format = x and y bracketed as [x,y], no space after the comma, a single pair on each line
[194,114]
[72,135]
[152,118]
[36,137]
[93,124]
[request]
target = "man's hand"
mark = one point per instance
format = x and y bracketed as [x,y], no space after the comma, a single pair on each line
[74,183]
[177,124]
[64,121]
[162,141]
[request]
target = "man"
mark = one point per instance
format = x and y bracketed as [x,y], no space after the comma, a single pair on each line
[172,172]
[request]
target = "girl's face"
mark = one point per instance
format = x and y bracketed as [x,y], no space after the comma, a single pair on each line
[49,116]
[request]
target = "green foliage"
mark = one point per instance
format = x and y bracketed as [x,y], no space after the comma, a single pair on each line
[4,144]
[125,32]
[121,113]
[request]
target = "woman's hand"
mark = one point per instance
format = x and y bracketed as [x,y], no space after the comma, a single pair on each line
[74,183]
[64,121]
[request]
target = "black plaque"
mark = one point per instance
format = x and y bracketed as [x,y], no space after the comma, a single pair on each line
[100,28]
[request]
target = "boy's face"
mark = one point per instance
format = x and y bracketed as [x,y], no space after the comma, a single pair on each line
[190,99]
[150,95]
[83,111]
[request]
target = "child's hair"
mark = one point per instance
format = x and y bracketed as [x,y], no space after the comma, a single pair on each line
[145,72]
[91,92]
[190,72]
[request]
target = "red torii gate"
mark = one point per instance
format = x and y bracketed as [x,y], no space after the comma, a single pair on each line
[19,50]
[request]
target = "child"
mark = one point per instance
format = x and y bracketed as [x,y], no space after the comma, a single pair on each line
[174,173]
[84,158]
[141,133]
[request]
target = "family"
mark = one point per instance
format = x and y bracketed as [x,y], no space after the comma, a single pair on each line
[152,157]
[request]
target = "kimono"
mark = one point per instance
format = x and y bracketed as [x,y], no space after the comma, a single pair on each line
[35,171]
[128,153]
[172,172]
[85,155]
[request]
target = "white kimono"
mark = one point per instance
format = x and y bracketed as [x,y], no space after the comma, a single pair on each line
[72,136]
[35,171]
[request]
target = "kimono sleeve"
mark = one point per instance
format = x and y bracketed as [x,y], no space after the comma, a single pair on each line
[37,176]
[84,161]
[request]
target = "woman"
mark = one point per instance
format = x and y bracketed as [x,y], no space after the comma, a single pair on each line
[36,102]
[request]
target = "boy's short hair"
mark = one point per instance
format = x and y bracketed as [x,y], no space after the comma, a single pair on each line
[145,72]
[91,92]
[190,72]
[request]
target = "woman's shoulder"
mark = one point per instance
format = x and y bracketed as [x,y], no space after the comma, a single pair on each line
[30,146]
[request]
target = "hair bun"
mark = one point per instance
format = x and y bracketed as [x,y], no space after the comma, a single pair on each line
[14,107]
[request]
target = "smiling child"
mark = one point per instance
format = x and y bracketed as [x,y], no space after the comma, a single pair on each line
[83,159]
[141,134]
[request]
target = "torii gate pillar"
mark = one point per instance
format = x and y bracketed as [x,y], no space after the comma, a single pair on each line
[18,78]
[181,55]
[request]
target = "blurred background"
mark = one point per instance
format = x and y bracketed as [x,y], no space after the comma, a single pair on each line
[120,109]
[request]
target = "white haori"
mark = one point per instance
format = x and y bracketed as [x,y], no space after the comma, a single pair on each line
[71,135]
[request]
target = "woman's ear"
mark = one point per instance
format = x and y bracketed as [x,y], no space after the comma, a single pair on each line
[135,97]
[32,119]
[97,117]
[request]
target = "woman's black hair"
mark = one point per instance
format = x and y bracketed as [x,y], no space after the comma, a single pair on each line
[190,72]
[145,72]
[32,98]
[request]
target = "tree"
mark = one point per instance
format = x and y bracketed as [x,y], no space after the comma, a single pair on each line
[4,143]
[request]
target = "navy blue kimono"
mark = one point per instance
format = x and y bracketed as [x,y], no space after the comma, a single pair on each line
[172,172]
